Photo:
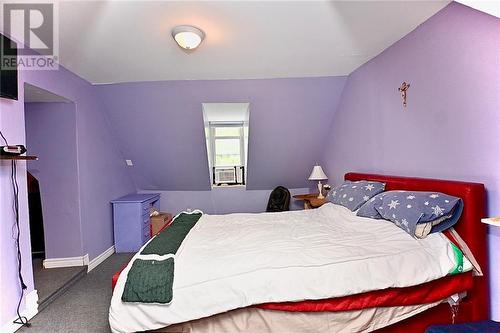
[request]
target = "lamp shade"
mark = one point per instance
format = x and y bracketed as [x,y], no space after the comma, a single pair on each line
[317,173]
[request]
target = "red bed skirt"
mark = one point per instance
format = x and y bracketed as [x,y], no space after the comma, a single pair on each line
[429,292]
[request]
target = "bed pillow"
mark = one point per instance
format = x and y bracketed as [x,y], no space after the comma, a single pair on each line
[354,194]
[369,209]
[420,213]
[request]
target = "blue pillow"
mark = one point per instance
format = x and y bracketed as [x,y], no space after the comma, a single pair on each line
[353,195]
[409,209]
[369,209]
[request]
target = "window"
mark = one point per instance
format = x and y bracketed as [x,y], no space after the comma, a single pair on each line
[227,145]
[226,131]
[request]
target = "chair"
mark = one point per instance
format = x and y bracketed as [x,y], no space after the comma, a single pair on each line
[279,200]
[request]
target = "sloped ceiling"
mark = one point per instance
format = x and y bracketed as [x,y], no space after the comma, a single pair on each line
[33,94]
[160,128]
[125,41]
[225,112]
[159,123]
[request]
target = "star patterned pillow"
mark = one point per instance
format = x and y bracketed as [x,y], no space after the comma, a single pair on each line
[353,195]
[408,209]
[369,209]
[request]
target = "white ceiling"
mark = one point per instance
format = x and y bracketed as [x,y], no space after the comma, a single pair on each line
[122,41]
[491,7]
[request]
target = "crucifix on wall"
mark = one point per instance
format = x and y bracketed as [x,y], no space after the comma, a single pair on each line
[403,89]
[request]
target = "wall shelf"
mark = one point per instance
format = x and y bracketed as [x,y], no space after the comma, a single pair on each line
[31,158]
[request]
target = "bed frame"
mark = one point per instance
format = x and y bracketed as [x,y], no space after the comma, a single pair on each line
[476,305]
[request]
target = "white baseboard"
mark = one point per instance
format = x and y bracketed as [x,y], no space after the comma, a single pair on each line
[66,262]
[100,258]
[86,260]
[29,312]
[79,261]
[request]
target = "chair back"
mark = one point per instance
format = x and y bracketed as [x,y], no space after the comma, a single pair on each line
[279,200]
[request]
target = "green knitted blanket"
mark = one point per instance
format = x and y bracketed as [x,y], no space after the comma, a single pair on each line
[151,281]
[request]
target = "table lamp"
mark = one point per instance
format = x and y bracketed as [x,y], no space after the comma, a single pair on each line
[319,175]
[492,221]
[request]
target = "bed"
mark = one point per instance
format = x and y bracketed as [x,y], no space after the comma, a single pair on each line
[236,313]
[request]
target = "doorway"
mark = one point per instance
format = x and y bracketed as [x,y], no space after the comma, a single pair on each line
[53,191]
[36,218]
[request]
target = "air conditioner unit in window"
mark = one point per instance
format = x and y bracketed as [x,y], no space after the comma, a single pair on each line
[225,176]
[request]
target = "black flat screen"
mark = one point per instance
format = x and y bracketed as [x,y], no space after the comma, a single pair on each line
[8,76]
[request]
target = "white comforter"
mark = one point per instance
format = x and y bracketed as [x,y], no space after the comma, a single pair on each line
[237,260]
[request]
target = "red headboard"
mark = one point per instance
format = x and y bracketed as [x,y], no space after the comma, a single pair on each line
[469,226]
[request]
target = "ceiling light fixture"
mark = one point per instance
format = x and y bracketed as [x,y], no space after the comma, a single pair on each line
[187,36]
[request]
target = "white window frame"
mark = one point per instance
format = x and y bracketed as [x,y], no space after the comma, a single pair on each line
[225,115]
[213,137]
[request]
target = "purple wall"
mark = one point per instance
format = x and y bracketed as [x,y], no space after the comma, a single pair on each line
[451,127]
[12,126]
[102,176]
[222,200]
[160,127]
[51,135]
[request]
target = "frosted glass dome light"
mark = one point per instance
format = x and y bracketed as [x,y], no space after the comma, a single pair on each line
[188,37]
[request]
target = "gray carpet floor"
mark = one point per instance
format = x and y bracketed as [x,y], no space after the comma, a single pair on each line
[83,308]
[49,281]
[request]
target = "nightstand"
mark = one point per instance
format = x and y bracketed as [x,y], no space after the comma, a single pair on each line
[311,200]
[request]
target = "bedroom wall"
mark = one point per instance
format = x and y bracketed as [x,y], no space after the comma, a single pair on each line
[12,126]
[160,128]
[102,177]
[222,200]
[102,172]
[51,135]
[451,127]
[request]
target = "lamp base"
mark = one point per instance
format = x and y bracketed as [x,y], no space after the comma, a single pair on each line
[320,190]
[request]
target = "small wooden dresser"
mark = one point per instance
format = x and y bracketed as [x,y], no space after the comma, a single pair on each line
[132,224]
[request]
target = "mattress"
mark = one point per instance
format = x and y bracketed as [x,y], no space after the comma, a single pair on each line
[232,261]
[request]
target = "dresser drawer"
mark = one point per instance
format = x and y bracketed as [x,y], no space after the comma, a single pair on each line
[145,221]
[146,208]
[146,234]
